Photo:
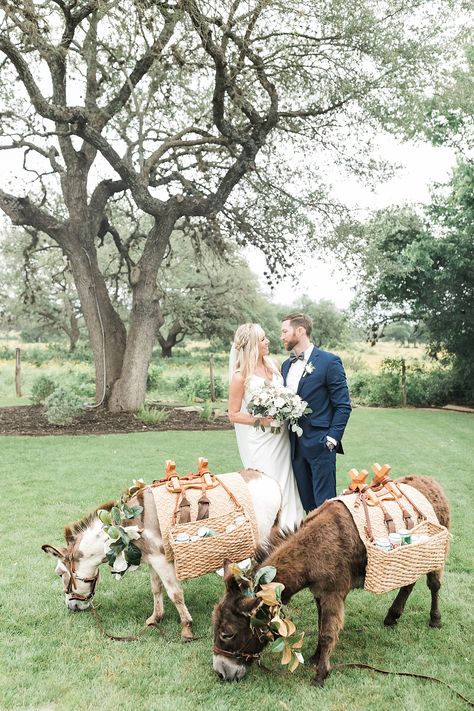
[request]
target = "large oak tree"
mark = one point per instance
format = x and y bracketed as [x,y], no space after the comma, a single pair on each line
[224,116]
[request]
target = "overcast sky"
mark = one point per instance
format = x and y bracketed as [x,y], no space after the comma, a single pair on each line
[422,164]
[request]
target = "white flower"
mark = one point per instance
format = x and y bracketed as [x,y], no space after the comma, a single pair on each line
[133,532]
[120,564]
[279,403]
[308,369]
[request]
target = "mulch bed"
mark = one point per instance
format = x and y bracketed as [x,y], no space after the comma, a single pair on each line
[30,420]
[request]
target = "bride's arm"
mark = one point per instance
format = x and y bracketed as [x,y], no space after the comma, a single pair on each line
[236,395]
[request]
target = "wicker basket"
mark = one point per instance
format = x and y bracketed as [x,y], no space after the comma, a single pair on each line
[194,558]
[389,570]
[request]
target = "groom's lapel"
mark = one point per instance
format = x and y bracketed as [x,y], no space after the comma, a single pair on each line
[312,359]
[285,366]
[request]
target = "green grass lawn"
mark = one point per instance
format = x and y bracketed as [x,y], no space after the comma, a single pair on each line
[56,660]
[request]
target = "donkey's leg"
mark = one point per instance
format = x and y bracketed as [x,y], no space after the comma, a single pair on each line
[157,590]
[398,605]
[314,659]
[332,620]
[433,580]
[165,570]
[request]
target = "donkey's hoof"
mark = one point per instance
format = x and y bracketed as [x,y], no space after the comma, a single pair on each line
[153,621]
[435,622]
[318,681]
[390,621]
[187,634]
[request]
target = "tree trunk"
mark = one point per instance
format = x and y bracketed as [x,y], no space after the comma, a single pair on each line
[128,392]
[73,333]
[166,349]
[106,330]
[175,335]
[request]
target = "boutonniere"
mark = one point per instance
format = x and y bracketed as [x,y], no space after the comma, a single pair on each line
[308,369]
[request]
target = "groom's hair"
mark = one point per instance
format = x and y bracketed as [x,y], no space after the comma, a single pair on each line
[297,319]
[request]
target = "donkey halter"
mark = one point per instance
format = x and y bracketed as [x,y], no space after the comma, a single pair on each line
[241,653]
[238,654]
[72,582]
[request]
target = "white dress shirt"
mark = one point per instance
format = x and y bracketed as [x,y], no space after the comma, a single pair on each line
[297,369]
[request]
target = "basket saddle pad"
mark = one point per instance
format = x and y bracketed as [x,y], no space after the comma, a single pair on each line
[220,504]
[379,528]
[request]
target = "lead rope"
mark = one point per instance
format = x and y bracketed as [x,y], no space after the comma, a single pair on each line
[115,638]
[360,665]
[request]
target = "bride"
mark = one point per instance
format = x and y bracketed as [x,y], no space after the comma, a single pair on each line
[249,367]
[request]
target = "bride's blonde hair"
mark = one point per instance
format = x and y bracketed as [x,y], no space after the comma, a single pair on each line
[246,342]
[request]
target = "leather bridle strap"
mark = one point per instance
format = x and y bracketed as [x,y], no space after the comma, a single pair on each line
[72,585]
[239,654]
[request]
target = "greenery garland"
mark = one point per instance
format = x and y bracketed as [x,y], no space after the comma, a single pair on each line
[121,552]
[269,620]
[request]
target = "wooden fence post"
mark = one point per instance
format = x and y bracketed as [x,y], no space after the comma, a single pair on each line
[404,382]
[211,378]
[18,372]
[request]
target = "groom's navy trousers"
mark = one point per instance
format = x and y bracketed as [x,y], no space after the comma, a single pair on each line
[326,392]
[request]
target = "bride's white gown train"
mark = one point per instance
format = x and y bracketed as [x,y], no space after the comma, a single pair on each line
[270,453]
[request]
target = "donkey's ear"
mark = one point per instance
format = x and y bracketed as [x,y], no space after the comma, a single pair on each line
[68,534]
[249,604]
[229,577]
[56,552]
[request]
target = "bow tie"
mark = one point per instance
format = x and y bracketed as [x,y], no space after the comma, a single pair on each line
[294,357]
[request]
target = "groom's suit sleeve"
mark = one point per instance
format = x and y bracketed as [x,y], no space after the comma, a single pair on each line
[338,393]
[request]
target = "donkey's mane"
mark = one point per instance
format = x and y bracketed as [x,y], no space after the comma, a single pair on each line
[276,538]
[74,529]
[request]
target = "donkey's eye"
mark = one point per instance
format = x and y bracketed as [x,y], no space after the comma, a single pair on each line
[226,637]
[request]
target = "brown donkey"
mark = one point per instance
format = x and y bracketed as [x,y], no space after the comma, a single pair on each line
[327,556]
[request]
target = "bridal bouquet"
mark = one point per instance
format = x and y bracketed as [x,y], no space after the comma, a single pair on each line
[279,403]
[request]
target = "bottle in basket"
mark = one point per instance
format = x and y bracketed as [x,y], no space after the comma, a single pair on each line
[395,540]
[383,543]
[405,534]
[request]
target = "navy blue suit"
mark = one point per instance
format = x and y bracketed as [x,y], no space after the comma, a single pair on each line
[326,392]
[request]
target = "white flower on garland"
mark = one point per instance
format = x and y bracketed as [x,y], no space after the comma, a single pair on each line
[308,369]
[121,552]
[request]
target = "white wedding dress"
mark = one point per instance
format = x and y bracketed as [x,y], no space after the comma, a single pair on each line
[270,453]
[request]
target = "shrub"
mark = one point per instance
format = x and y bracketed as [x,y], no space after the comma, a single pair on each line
[151,416]
[207,411]
[153,377]
[62,406]
[432,388]
[41,389]
[200,388]
[182,382]
[83,383]
[425,388]
[380,389]
[353,362]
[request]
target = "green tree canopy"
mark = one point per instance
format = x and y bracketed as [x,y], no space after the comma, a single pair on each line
[331,326]
[421,268]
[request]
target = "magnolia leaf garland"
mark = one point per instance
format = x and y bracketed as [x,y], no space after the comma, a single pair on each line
[121,552]
[270,621]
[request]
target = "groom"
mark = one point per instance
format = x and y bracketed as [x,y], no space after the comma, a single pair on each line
[319,378]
